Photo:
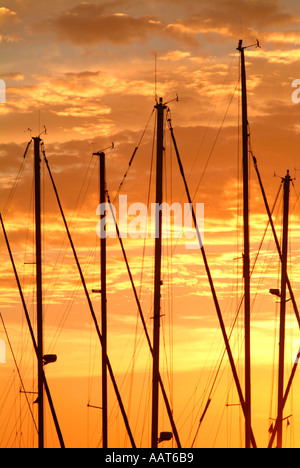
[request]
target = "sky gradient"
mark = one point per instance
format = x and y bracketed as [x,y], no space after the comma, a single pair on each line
[87,72]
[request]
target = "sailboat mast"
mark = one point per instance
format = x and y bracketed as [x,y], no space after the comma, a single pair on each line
[38,239]
[246,254]
[47,390]
[103,303]
[157,270]
[286,189]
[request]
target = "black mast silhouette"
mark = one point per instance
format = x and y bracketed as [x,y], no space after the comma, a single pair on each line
[101,155]
[157,270]
[286,190]
[246,253]
[39,297]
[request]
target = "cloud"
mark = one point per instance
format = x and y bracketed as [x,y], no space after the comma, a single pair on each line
[175,55]
[283,37]
[87,103]
[280,56]
[89,24]
[8,19]
[16,76]
[228,18]
[6,14]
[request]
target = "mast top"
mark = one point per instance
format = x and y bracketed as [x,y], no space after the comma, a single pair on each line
[240,46]
[288,176]
[164,105]
[101,152]
[160,103]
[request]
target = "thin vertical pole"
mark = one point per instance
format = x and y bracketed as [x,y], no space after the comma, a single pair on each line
[103,302]
[38,239]
[246,254]
[157,271]
[286,189]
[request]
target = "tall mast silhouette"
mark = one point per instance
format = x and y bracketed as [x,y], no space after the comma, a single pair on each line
[102,187]
[246,253]
[286,189]
[157,270]
[103,306]
[39,293]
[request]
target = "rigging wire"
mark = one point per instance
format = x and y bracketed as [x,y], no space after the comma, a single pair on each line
[170,314]
[21,342]
[15,184]
[292,432]
[215,140]
[207,127]
[148,205]
[211,151]
[132,157]
[18,369]
[62,252]
[143,253]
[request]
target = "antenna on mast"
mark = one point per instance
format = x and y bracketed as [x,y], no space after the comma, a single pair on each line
[155,77]
[44,132]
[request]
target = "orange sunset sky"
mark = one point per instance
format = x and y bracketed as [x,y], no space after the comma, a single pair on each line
[86,70]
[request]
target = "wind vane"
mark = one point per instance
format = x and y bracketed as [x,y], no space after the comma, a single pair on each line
[112,146]
[257,45]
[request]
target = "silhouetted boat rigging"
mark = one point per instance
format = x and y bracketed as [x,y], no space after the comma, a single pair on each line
[163,113]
